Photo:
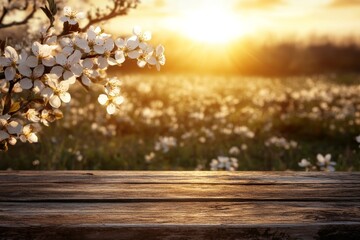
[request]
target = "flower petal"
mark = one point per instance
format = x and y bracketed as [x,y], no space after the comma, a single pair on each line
[11,53]
[24,70]
[102,99]
[64,19]
[68,50]
[85,80]
[109,44]
[102,62]
[65,97]
[67,10]
[32,138]
[87,63]
[36,48]
[57,70]
[75,57]
[47,92]
[141,63]
[14,127]
[32,61]
[152,60]
[111,108]
[120,43]
[55,101]
[82,43]
[118,100]
[111,61]
[49,61]
[68,75]
[38,71]
[99,49]
[4,61]
[3,135]
[61,59]
[119,56]
[10,73]
[26,83]
[64,86]
[160,50]
[134,54]
[76,69]
[72,21]
[132,43]
[38,86]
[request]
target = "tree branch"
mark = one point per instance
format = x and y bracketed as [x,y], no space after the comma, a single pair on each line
[120,8]
[6,11]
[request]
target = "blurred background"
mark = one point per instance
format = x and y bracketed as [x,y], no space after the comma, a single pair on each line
[247,85]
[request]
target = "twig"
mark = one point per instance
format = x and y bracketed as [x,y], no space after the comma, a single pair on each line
[120,8]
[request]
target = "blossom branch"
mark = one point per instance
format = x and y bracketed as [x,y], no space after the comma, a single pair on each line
[34,84]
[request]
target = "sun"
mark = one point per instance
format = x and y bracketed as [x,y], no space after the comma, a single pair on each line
[212,25]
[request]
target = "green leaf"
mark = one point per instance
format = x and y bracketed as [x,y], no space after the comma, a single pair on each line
[47,13]
[53,7]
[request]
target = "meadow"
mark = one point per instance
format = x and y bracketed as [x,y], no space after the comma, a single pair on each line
[200,122]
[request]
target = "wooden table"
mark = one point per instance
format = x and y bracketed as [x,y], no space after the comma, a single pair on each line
[179,205]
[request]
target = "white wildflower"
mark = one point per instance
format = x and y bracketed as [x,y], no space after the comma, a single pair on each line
[325,163]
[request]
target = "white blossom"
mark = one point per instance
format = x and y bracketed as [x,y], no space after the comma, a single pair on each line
[28,134]
[158,58]
[32,115]
[43,54]
[56,91]
[71,16]
[111,102]
[126,48]
[69,67]
[141,37]
[9,62]
[30,75]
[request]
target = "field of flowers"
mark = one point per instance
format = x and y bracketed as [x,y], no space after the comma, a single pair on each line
[196,122]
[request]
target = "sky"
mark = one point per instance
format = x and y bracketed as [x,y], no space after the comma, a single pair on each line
[231,19]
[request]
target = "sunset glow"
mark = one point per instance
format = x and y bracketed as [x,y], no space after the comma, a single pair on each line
[212,25]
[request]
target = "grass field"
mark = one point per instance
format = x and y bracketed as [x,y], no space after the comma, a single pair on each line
[183,122]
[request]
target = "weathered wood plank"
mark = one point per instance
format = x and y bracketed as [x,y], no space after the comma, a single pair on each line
[209,213]
[178,192]
[229,178]
[304,220]
[188,232]
[179,205]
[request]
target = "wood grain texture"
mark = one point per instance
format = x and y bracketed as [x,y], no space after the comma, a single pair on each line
[176,192]
[198,177]
[179,205]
